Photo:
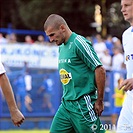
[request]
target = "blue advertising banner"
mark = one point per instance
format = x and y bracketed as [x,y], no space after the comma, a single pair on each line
[37,56]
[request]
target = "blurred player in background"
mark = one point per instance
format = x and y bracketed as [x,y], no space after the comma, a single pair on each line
[16,116]
[82,77]
[125,121]
[47,88]
[118,101]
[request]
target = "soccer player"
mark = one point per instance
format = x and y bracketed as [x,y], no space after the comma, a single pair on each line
[125,121]
[118,101]
[83,79]
[16,116]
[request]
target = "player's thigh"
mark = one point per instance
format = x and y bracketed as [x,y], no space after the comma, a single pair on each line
[61,122]
[125,120]
[84,117]
[124,126]
[83,125]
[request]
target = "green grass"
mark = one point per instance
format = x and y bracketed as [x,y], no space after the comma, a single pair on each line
[24,131]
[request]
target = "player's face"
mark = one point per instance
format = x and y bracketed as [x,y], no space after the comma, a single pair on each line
[127,10]
[55,35]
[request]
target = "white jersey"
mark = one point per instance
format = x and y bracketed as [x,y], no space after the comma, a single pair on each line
[127,40]
[125,121]
[2,70]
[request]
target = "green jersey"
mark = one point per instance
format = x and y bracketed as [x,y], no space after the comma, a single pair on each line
[77,63]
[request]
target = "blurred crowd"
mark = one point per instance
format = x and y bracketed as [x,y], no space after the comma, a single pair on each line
[108,49]
[28,39]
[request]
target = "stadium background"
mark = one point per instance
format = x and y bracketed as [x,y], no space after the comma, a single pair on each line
[40,118]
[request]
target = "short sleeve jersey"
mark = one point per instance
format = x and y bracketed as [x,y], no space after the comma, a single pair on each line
[2,70]
[127,40]
[77,63]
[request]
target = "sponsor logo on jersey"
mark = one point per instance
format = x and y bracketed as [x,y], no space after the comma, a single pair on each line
[129,57]
[65,76]
[64,61]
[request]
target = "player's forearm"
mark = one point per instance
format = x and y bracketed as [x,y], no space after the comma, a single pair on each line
[100,77]
[7,91]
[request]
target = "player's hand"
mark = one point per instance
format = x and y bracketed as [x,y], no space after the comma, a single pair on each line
[99,107]
[127,85]
[17,117]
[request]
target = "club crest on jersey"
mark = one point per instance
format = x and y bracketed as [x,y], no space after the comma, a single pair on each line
[129,57]
[65,76]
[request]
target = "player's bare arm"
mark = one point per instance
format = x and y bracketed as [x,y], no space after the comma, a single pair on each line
[127,84]
[100,77]
[16,116]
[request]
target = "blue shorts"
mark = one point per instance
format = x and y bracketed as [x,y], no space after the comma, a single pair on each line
[117,110]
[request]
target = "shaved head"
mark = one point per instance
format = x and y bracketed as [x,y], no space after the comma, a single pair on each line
[55,21]
[57,29]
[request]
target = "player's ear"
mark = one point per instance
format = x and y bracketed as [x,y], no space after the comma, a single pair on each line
[62,27]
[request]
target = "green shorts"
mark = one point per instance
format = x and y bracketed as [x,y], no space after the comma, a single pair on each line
[77,117]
